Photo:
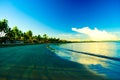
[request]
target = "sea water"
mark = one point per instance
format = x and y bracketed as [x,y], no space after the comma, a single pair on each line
[100,57]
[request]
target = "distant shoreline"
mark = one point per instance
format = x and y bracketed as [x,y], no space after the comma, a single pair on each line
[12,45]
[24,44]
[91,41]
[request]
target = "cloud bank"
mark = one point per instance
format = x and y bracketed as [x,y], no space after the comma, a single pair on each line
[95,34]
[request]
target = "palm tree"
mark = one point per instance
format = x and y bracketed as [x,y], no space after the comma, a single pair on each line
[10,35]
[3,27]
[39,38]
[35,39]
[16,32]
[45,38]
[29,35]
[3,30]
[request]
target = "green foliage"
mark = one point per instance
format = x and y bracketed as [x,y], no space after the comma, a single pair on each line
[17,35]
[29,33]
[10,34]
[3,25]
[3,30]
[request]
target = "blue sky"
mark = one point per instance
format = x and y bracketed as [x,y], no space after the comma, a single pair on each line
[58,17]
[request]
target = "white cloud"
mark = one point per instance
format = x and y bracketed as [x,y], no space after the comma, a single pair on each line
[95,34]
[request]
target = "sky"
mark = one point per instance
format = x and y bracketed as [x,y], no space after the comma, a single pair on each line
[74,20]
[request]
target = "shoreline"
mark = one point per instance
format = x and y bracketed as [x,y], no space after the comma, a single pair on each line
[37,62]
[24,44]
[13,45]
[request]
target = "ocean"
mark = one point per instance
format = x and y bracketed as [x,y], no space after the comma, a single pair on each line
[102,58]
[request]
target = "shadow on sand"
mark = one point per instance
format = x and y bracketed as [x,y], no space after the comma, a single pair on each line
[36,62]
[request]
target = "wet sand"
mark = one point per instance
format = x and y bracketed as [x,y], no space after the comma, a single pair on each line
[36,62]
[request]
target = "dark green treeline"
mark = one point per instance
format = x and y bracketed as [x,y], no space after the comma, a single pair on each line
[12,35]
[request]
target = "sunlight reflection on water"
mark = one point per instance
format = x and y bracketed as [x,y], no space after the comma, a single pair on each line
[100,65]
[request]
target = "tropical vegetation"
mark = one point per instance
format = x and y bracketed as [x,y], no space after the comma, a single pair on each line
[14,34]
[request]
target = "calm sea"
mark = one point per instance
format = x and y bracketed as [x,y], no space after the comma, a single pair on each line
[100,57]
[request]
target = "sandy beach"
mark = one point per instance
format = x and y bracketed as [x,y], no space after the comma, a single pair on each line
[37,62]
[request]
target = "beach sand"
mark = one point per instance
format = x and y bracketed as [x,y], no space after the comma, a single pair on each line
[37,62]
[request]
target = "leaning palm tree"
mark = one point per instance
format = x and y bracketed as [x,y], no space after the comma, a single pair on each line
[3,30]
[3,27]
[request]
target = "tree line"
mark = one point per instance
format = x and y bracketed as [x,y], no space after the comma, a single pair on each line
[14,34]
